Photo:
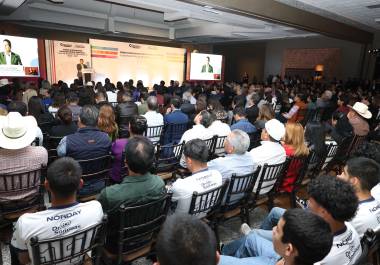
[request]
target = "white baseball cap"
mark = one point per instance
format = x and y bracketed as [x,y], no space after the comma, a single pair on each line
[275,129]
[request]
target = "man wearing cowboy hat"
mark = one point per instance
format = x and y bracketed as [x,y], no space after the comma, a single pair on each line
[16,153]
[358,116]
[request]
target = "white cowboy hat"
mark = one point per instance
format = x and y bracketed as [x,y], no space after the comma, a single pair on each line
[4,82]
[275,129]
[361,109]
[16,131]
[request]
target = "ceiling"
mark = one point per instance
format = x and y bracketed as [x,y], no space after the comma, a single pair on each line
[364,14]
[163,20]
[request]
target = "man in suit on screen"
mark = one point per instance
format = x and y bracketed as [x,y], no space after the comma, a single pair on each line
[207,68]
[7,56]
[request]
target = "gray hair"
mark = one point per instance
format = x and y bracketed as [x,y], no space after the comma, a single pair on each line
[152,103]
[186,96]
[89,115]
[239,140]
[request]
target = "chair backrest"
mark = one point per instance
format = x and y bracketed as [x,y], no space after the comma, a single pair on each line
[355,143]
[267,178]
[370,244]
[211,144]
[322,161]
[96,169]
[298,164]
[71,248]
[219,145]
[52,143]
[174,131]
[239,189]
[139,224]
[168,157]
[254,139]
[208,201]
[24,183]
[154,133]
[45,126]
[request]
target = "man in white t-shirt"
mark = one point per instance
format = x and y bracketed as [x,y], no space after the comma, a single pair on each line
[65,217]
[201,180]
[202,122]
[363,174]
[153,118]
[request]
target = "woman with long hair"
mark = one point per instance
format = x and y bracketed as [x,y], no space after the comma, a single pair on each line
[294,145]
[266,113]
[37,109]
[66,126]
[107,122]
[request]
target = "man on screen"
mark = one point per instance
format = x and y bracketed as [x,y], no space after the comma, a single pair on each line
[8,57]
[207,68]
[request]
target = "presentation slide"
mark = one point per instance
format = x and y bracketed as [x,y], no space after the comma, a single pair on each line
[18,56]
[121,61]
[205,66]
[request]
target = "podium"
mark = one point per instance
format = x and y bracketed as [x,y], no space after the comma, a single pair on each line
[87,74]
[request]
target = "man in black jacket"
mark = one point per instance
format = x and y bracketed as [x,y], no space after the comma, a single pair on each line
[124,112]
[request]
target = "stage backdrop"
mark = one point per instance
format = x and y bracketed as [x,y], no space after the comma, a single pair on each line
[121,61]
[62,58]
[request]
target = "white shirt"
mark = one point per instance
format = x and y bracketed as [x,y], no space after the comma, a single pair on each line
[367,216]
[220,129]
[345,250]
[153,118]
[8,58]
[55,222]
[112,96]
[198,131]
[375,192]
[270,153]
[201,181]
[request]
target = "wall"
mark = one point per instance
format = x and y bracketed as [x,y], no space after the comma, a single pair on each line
[350,62]
[242,57]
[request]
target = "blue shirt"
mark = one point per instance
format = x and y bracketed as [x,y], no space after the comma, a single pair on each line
[244,125]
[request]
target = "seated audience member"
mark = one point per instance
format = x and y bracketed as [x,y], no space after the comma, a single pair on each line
[125,110]
[218,127]
[251,109]
[358,117]
[37,109]
[186,240]
[100,99]
[16,153]
[30,91]
[58,101]
[153,117]
[137,126]
[294,145]
[238,160]
[20,107]
[66,126]
[330,198]
[266,113]
[299,237]
[296,113]
[241,121]
[142,107]
[363,174]
[312,102]
[343,101]
[106,121]
[88,142]
[174,116]
[325,100]
[271,150]
[340,128]
[187,107]
[111,94]
[62,181]
[200,130]
[201,180]
[72,104]
[139,186]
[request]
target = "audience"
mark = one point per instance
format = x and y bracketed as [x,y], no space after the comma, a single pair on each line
[242,122]
[297,112]
[266,113]
[202,179]
[124,111]
[153,117]
[72,104]
[107,122]
[66,126]
[65,216]
[174,116]
[358,117]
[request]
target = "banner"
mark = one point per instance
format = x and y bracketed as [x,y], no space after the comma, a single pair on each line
[121,61]
[64,60]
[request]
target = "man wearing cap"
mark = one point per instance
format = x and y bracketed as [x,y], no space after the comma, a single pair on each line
[358,116]
[16,153]
[270,151]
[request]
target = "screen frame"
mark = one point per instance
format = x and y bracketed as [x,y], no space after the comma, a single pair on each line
[188,66]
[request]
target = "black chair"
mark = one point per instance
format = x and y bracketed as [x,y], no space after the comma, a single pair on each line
[167,160]
[154,133]
[173,132]
[267,182]
[123,123]
[323,163]
[295,164]
[237,198]
[254,139]
[138,227]
[356,142]
[95,171]
[219,146]
[207,205]
[211,144]
[45,126]
[25,183]
[72,248]
[52,143]
[370,244]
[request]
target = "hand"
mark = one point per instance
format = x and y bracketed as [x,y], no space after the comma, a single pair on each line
[168,110]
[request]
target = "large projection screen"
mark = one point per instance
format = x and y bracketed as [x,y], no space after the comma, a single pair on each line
[205,66]
[121,61]
[18,56]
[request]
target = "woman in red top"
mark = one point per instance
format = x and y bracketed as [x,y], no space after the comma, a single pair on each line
[294,145]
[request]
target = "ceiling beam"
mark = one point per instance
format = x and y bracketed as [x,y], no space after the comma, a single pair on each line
[276,12]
